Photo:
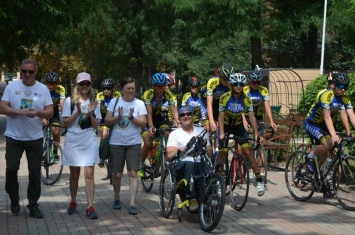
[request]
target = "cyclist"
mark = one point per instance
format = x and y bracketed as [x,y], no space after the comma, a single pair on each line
[231,108]
[259,96]
[214,89]
[158,101]
[319,124]
[104,97]
[58,96]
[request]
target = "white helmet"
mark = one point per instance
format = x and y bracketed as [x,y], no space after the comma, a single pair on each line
[237,78]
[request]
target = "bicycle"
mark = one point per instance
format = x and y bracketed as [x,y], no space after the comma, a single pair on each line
[51,165]
[339,175]
[156,164]
[210,186]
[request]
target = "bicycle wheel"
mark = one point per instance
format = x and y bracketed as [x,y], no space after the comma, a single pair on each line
[167,191]
[51,166]
[238,182]
[298,181]
[344,183]
[148,176]
[212,206]
[261,161]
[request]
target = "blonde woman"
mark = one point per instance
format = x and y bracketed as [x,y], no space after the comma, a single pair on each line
[81,115]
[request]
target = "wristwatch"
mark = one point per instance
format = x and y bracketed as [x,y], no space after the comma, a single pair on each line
[130,118]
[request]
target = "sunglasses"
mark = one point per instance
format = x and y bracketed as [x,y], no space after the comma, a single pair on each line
[185,114]
[342,87]
[255,83]
[107,89]
[51,83]
[194,87]
[160,87]
[24,71]
[238,84]
[84,83]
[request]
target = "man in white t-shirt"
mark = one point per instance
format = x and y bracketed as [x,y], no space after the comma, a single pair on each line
[26,103]
[177,141]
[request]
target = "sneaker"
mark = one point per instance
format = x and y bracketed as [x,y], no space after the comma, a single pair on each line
[310,164]
[132,210]
[193,206]
[102,163]
[260,188]
[56,158]
[90,213]
[116,204]
[35,212]
[15,205]
[72,208]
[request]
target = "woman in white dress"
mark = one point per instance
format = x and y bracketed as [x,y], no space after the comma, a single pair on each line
[128,116]
[81,115]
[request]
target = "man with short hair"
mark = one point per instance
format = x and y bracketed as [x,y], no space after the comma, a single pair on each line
[26,103]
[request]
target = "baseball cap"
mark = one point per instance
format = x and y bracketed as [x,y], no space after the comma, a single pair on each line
[185,108]
[83,77]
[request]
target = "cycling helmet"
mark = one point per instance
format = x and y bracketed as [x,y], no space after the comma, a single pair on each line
[108,83]
[254,76]
[170,80]
[159,79]
[193,81]
[341,79]
[225,71]
[52,77]
[237,78]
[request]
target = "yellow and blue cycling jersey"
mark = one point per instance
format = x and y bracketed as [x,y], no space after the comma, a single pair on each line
[104,101]
[327,100]
[233,108]
[160,109]
[57,94]
[258,97]
[195,102]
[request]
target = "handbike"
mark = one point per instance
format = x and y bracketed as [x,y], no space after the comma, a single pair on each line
[210,186]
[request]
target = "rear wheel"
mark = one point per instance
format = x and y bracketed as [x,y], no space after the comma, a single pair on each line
[238,182]
[147,177]
[167,191]
[299,181]
[51,165]
[344,183]
[212,206]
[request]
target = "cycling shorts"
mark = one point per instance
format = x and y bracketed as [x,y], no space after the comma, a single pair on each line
[238,130]
[318,133]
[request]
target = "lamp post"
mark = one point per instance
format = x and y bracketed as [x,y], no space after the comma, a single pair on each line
[323,37]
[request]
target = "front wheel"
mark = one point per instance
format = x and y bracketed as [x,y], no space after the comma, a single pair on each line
[344,183]
[147,178]
[261,161]
[212,204]
[51,165]
[167,191]
[238,182]
[299,181]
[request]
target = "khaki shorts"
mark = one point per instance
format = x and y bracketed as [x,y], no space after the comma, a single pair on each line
[121,154]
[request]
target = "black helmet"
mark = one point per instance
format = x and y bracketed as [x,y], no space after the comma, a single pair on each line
[340,78]
[254,76]
[52,77]
[225,71]
[108,83]
[193,81]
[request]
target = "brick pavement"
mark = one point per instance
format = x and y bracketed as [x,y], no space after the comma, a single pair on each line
[274,213]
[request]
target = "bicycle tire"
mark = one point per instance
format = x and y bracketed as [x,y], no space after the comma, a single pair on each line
[167,191]
[148,176]
[212,206]
[238,182]
[299,189]
[344,183]
[52,170]
[261,161]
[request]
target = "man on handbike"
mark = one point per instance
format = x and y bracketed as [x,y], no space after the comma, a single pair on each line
[177,141]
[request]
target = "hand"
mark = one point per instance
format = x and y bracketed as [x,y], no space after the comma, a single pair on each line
[31,113]
[336,139]
[151,130]
[213,126]
[274,127]
[120,111]
[44,122]
[221,136]
[23,112]
[93,106]
[178,124]
[130,114]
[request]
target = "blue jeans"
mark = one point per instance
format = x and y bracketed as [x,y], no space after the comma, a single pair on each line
[34,154]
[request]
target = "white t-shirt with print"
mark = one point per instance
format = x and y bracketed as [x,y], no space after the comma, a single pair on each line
[124,131]
[21,96]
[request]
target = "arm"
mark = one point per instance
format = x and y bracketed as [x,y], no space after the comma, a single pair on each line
[210,113]
[141,121]
[345,120]
[150,119]
[269,114]
[221,124]
[175,114]
[351,117]
[253,123]
[330,125]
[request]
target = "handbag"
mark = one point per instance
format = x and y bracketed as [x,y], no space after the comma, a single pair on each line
[104,147]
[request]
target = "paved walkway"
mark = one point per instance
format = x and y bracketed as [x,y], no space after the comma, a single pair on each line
[274,213]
